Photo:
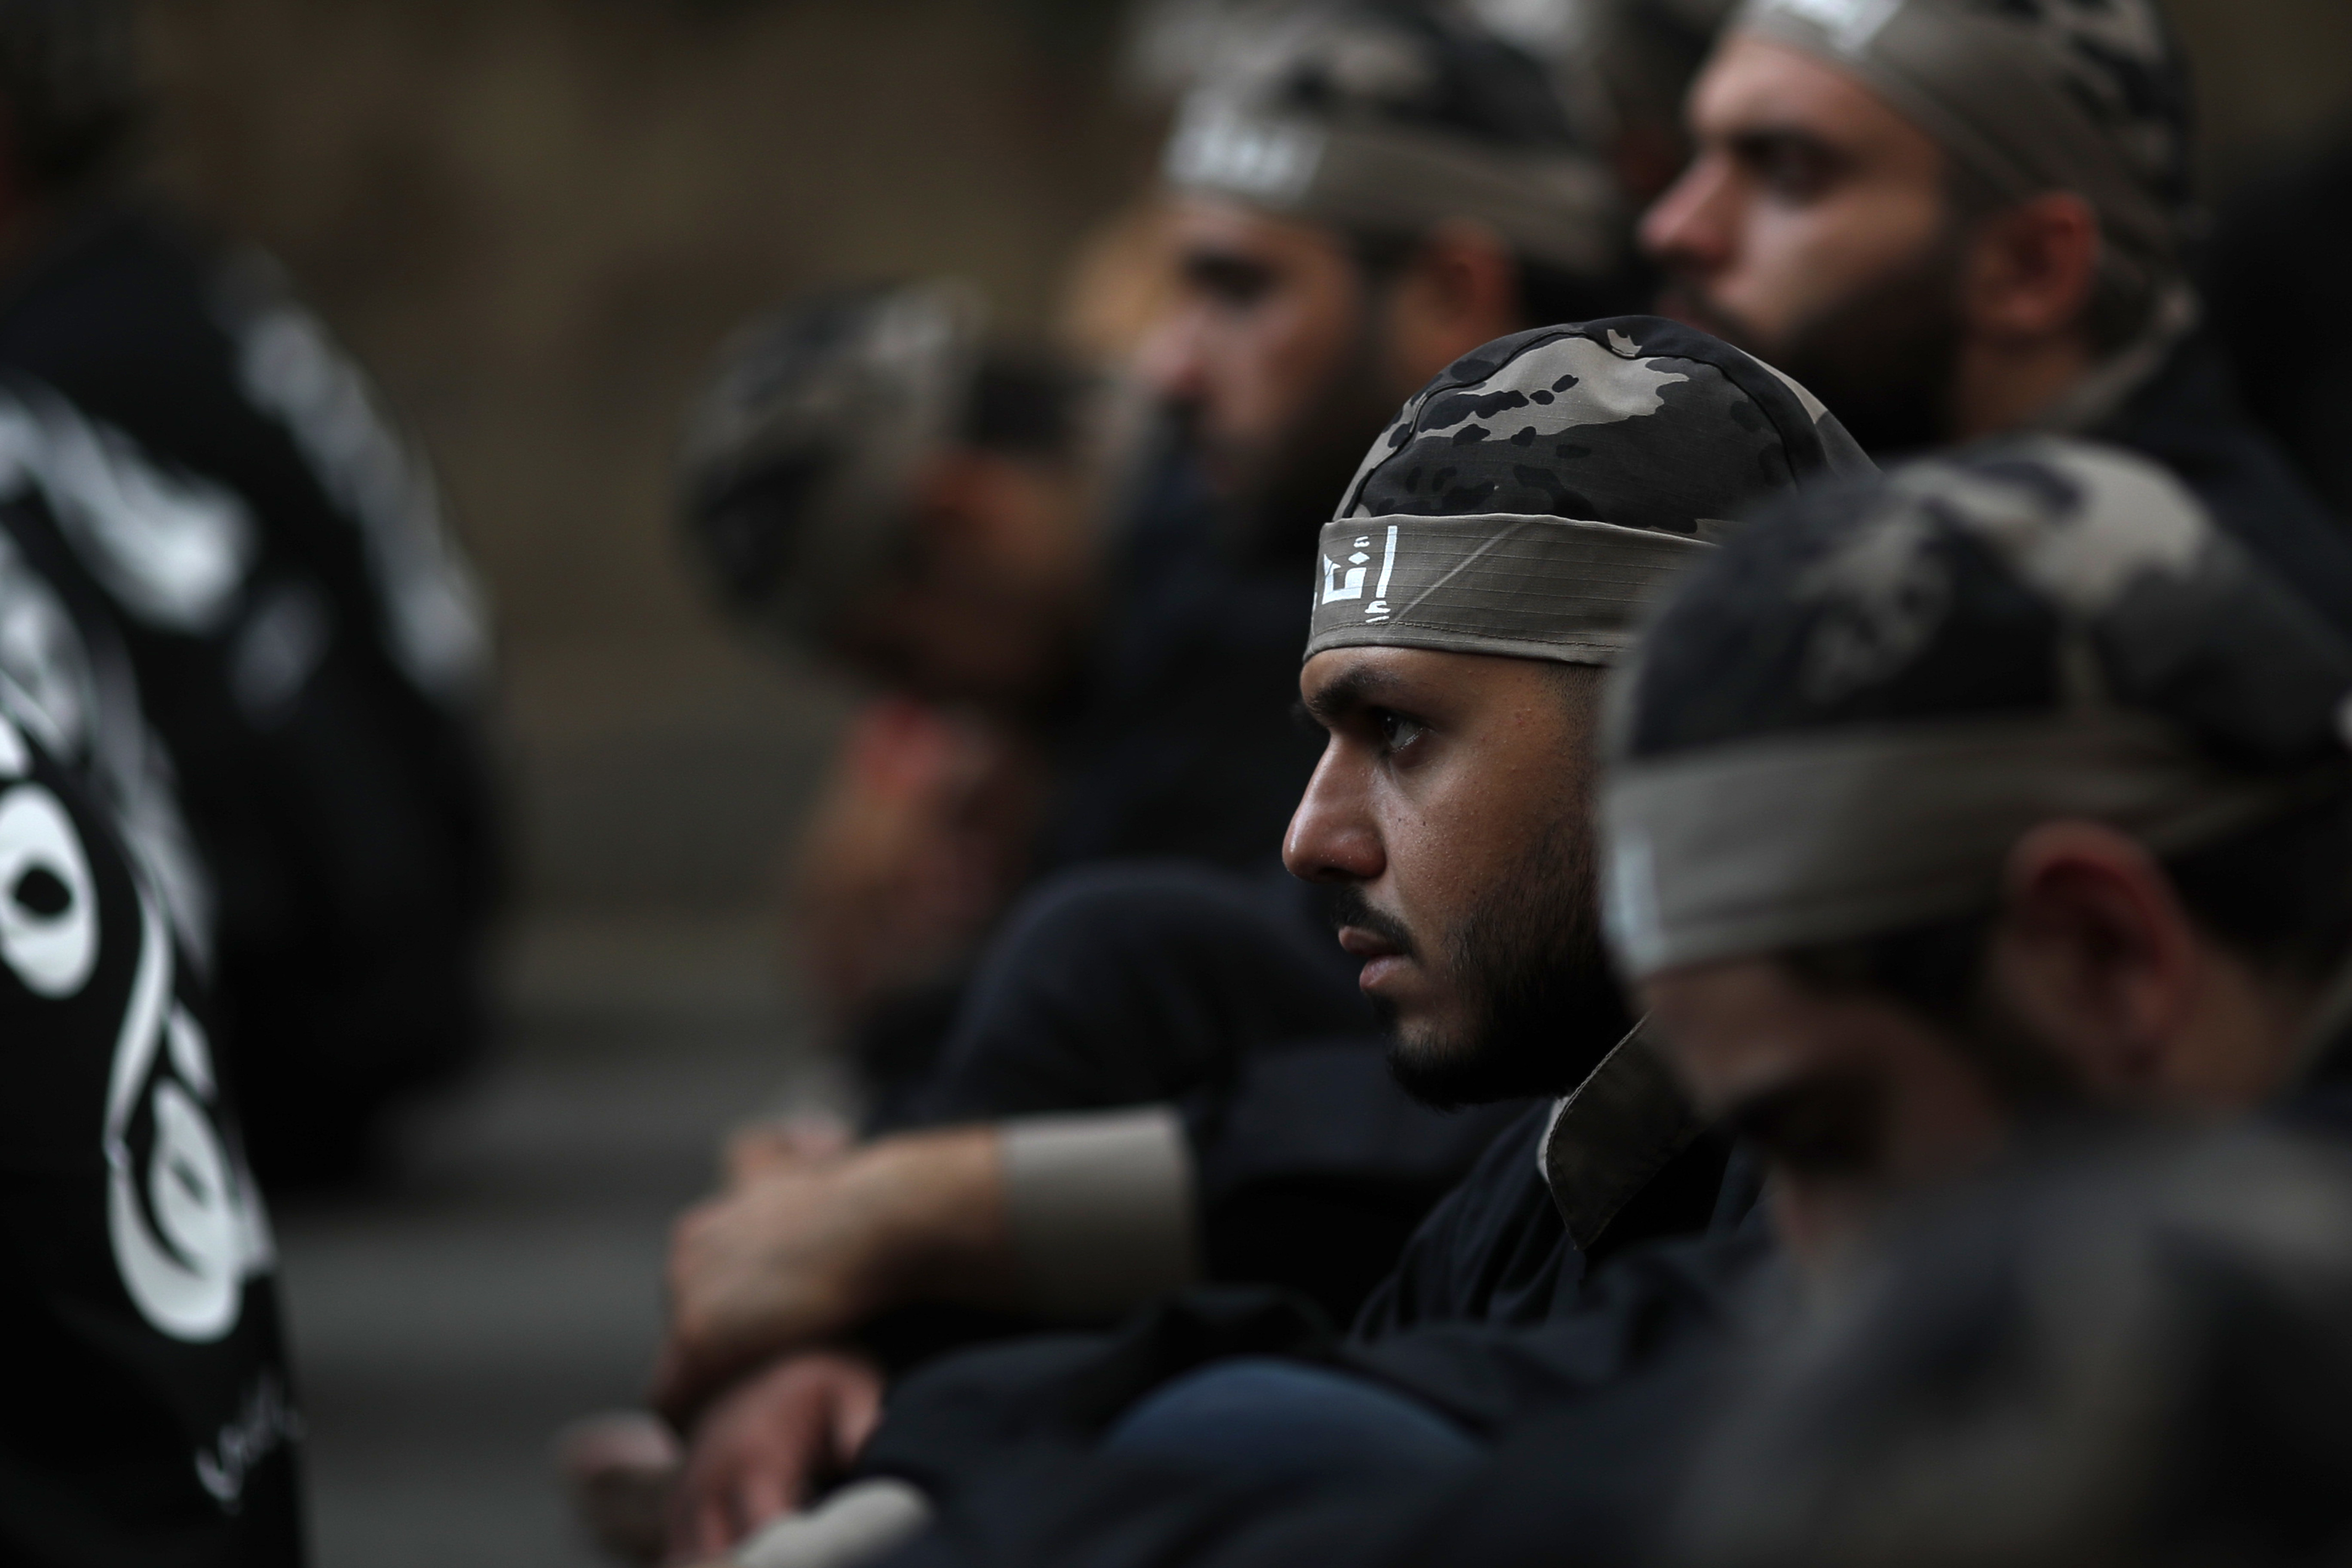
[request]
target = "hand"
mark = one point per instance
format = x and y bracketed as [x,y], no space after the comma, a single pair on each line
[620,1469]
[804,1140]
[765,1444]
[801,1253]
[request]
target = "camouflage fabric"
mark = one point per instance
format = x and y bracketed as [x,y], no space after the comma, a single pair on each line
[1530,500]
[1384,118]
[1842,723]
[799,462]
[2029,96]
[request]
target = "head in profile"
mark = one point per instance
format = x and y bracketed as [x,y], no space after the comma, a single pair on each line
[869,481]
[1486,566]
[1359,194]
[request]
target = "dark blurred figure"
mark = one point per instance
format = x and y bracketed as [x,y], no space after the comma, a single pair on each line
[150,1415]
[2141,1360]
[2282,251]
[869,483]
[311,649]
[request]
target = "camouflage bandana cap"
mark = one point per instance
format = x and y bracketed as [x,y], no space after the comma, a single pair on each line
[1387,119]
[800,461]
[1531,499]
[2029,96]
[1842,724]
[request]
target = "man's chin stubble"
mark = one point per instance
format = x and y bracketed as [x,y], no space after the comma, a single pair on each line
[1882,359]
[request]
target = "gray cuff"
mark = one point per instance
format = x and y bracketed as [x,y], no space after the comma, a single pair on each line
[1100,1207]
[860,1523]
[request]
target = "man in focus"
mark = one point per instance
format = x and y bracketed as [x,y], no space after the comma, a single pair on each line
[1489,559]
[1432,196]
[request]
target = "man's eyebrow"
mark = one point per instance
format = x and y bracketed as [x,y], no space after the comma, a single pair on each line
[1348,693]
[1211,268]
[1758,144]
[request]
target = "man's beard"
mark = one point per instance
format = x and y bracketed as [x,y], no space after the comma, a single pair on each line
[1285,488]
[1884,361]
[1540,1005]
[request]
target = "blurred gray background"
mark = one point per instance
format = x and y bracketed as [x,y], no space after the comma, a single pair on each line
[535,220]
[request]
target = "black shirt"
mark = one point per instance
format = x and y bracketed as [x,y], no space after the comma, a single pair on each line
[149,1415]
[306,644]
[2187,416]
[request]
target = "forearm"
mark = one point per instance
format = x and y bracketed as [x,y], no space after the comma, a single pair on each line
[1100,1211]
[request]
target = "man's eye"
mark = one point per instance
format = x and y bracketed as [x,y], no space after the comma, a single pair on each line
[1793,170]
[1229,282]
[1397,731]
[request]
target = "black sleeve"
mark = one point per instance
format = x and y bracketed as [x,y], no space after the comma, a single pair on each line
[1641,1307]
[1225,996]
[150,1415]
[1584,1469]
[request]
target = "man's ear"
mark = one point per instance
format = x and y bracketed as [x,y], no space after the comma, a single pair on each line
[2031,269]
[2094,953]
[1460,289]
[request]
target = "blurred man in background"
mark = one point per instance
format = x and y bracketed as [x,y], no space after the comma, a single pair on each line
[309,645]
[871,484]
[1953,219]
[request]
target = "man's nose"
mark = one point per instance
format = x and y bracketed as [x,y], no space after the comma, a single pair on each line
[1170,362]
[1689,228]
[1332,838]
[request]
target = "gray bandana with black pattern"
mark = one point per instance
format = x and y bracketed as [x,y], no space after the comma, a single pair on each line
[1386,119]
[1842,724]
[1531,501]
[2029,96]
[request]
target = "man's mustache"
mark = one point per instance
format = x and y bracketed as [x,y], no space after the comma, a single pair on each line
[1681,299]
[1351,908]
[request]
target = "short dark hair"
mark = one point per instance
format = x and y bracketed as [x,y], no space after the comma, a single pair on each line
[1021,405]
[1548,295]
[2121,304]
[69,87]
[2278,895]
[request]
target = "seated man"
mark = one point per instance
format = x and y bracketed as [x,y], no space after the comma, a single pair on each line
[1955,218]
[1434,195]
[1510,527]
[1943,811]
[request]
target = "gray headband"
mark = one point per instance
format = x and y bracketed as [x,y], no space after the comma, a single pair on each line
[1556,208]
[1987,89]
[1757,846]
[1500,582]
